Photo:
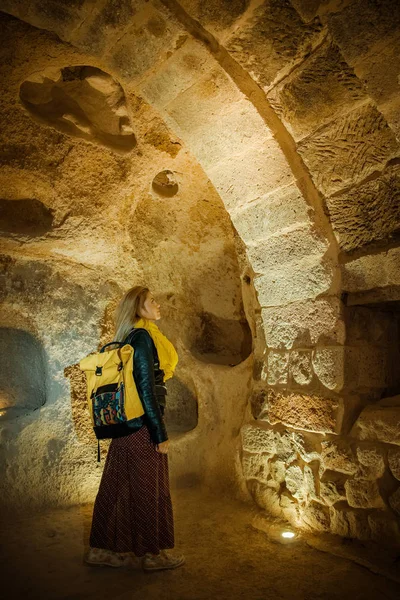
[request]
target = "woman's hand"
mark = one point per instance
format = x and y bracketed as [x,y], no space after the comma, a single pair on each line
[163,447]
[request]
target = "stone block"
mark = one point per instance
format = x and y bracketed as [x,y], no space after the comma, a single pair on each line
[394,501]
[374,271]
[257,439]
[370,213]
[272,41]
[277,470]
[379,72]
[304,323]
[307,445]
[241,178]
[294,479]
[322,89]
[363,25]
[366,367]
[380,421]
[362,493]
[384,528]
[267,498]
[181,71]
[234,129]
[298,280]
[394,462]
[373,459]
[352,147]
[290,507]
[328,364]
[255,466]
[278,367]
[308,412]
[315,517]
[285,448]
[289,244]
[332,489]
[309,483]
[368,326]
[264,216]
[338,457]
[300,368]
[217,15]
[349,523]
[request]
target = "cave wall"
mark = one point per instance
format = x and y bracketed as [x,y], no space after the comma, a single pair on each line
[291,110]
[83,218]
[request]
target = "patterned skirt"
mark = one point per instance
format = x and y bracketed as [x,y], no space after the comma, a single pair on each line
[133,509]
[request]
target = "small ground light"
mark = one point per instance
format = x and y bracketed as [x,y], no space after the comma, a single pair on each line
[288,534]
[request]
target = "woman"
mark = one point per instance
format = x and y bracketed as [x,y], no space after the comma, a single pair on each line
[133,510]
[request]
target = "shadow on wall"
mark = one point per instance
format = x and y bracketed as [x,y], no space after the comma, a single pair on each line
[23,374]
[26,216]
[222,341]
[81,101]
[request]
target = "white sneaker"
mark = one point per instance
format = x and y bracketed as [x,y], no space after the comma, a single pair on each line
[99,557]
[161,561]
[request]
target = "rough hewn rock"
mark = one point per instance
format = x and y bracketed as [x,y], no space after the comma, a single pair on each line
[144,44]
[362,25]
[300,368]
[255,466]
[338,457]
[307,445]
[380,421]
[309,412]
[278,367]
[267,498]
[217,15]
[348,522]
[294,479]
[373,459]
[256,439]
[362,493]
[303,324]
[336,149]
[319,91]
[328,364]
[272,40]
[315,517]
[369,213]
[394,462]
[384,528]
[332,490]
[286,450]
[377,272]
[277,470]
[394,501]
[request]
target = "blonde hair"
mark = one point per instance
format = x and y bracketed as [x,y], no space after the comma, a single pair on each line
[127,312]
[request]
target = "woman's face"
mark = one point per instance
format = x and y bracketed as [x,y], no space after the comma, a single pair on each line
[151,309]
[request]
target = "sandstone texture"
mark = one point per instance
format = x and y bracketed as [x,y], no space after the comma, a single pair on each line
[380,421]
[241,159]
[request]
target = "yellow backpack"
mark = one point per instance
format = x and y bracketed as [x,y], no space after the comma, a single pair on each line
[111,391]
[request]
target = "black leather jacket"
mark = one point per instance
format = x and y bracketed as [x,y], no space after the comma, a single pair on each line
[149,379]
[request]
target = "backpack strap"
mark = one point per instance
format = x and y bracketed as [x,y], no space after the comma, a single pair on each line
[112,344]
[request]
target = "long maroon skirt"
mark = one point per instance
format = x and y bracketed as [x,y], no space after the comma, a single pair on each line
[133,509]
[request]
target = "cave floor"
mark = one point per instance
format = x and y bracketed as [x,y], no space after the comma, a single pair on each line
[226,558]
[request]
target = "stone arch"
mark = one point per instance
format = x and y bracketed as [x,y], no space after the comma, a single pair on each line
[272,168]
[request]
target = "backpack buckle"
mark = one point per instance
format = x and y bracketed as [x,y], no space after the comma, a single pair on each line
[99,370]
[120,366]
